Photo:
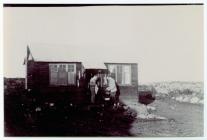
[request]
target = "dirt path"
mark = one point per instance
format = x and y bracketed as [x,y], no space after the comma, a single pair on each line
[183,119]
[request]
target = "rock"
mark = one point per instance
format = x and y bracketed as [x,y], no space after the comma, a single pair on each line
[151,108]
[186,99]
[150,117]
[179,98]
[194,100]
[125,107]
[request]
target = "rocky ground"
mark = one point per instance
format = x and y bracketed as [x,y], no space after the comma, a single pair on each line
[164,117]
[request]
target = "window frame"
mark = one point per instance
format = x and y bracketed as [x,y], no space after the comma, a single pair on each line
[74,72]
[66,67]
[115,66]
[130,74]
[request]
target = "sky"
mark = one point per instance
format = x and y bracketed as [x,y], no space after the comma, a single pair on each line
[165,41]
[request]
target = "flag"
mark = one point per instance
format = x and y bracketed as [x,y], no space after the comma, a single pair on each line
[28,52]
[27,57]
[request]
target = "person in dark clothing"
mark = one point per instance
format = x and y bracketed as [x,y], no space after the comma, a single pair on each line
[117,95]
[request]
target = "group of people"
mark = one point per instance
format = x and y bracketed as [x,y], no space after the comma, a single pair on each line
[110,86]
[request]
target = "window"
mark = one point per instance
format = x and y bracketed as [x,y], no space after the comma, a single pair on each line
[126,74]
[71,74]
[71,68]
[121,73]
[62,74]
[53,74]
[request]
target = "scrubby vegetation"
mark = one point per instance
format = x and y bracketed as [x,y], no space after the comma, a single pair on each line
[23,117]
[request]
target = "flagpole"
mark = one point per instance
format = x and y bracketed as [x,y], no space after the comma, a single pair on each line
[26,62]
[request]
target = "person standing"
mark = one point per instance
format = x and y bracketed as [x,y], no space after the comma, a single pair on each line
[93,87]
[117,95]
[111,88]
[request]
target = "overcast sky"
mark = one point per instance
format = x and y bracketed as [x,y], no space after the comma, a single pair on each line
[165,41]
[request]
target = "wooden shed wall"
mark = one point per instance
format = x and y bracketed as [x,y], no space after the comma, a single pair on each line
[38,74]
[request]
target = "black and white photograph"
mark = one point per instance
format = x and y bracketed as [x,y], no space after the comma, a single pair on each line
[103,70]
